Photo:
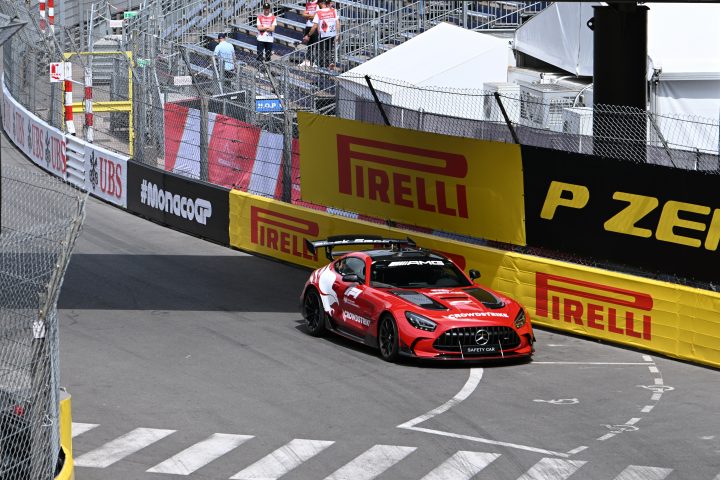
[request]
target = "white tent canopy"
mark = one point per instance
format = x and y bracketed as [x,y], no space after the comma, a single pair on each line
[443,60]
[683,46]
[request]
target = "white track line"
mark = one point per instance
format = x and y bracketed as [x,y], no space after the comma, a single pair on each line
[476,375]
[552,469]
[282,460]
[372,463]
[200,454]
[80,428]
[121,447]
[633,472]
[491,442]
[469,387]
[462,466]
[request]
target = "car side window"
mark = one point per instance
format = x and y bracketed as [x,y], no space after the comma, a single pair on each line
[350,266]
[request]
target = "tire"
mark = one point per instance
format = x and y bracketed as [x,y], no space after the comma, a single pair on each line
[388,339]
[314,314]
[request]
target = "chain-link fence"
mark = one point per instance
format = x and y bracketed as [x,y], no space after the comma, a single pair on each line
[41,219]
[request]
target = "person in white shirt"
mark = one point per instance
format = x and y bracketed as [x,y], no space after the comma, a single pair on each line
[227,53]
[327,23]
[266,23]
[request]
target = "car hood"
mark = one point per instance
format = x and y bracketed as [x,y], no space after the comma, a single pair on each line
[470,303]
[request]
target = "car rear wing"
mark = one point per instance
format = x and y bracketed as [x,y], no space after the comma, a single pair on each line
[345,240]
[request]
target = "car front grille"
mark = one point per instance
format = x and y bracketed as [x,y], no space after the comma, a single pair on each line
[451,340]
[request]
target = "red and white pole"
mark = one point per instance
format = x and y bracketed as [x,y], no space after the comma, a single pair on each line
[69,123]
[88,105]
[51,14]
[42,15]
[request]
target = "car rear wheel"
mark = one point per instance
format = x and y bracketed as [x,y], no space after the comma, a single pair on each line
[388,339]
[314,314]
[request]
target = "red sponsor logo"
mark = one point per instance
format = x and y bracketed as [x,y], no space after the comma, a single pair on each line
[36,142]
[598,306]
[408,187]
[281,232]
[18,128]
[58,159]
[111,177]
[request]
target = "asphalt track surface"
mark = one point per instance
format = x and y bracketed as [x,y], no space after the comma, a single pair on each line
[189,359]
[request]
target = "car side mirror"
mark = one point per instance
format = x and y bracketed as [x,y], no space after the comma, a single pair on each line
[350,278]
[474,274]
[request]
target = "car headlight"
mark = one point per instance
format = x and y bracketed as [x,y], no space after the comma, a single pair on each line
[420,322]
[520,319]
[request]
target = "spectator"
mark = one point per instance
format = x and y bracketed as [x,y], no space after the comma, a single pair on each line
[227,53]
[327,23]
[266,23]
[309,13]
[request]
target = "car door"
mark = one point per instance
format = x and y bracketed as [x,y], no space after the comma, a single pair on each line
[354,305]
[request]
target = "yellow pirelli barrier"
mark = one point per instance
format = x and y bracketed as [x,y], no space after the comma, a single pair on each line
[461,185]
[68,469]
[661,317]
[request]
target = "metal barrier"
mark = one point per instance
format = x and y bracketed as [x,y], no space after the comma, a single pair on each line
[41,219]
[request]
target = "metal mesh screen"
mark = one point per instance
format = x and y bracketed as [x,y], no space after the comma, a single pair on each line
[41,218]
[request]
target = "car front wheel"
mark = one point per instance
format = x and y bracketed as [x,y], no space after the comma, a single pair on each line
[314,314]
[388,339]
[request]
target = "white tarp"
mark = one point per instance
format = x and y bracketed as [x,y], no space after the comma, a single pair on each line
[448,57]
[682,38]
[559,35]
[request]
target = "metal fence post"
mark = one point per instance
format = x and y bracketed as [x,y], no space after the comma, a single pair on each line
[204,138]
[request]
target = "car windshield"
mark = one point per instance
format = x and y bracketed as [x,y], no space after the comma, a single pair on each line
[416,274]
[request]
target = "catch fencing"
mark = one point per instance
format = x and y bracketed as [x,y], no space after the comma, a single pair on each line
[41,219]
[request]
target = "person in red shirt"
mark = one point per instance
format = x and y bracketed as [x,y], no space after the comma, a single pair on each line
[327,23]
[266,23]
[311,7]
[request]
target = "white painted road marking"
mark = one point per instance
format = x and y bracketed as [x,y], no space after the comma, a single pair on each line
[121,447]
[492,442]
[634,472]
[462,466]
[372,463]
[469,387]
[552,469]
[282,460]
[80,428]
[200,454]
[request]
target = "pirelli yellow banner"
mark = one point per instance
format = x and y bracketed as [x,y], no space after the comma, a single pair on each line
[661,317]
[461,185]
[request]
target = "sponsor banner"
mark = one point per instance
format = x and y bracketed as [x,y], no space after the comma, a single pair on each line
[182,204]
[460,185]
[673,320]
[44,145]
[240,155]
[670,319]
[106,175]
[98,171]
[656,218]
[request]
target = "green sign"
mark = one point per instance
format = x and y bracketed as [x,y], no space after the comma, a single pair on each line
[143,62]
[127,15]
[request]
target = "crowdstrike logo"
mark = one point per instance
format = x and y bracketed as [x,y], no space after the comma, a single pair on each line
[198,210]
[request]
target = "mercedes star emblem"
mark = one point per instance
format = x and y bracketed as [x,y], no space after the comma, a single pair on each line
[482,337]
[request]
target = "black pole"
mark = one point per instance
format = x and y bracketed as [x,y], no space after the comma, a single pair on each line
[377,100]
[620,80]
[507,119]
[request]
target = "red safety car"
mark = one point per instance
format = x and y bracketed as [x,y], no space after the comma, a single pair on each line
[406,300]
